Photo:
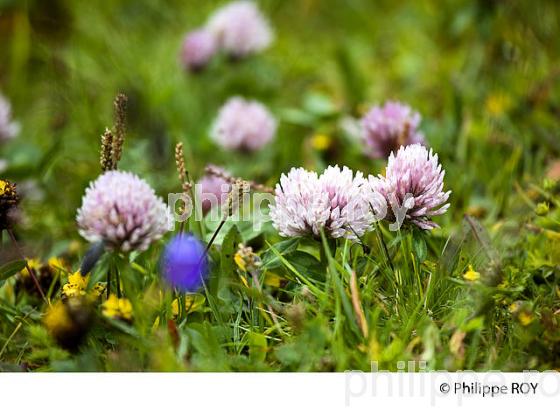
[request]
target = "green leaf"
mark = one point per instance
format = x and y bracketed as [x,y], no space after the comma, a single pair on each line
[307,264]
[474,324]
[257,346]
[11,268]
[297,117]
[420,247]
[270,259]
[319,104]
[228,250]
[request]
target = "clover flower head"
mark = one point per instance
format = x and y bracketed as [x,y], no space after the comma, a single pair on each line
[414,181]
[305,203]
[199,46]
[185,263]
[213,189]
[8,128]
[388,127]
[243,125]
[240,28]
[123,212]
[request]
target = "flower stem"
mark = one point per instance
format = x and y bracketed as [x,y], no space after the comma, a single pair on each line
[215,234]
[118,280]
[109,280]
[384,246]
[31,273]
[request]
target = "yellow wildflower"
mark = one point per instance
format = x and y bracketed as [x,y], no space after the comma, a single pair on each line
[471,274]
[7,189]
[76,286]
[34,265]
[98,289]
[514,307]
[57,318]
[320,142]
[522,311]
[525,318]
[57,263]
[68,321]
[240,262]
[272,279]
[117,308]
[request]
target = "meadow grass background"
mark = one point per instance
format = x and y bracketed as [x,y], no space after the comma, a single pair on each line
[484,75]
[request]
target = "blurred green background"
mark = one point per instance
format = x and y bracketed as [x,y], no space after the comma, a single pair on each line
[483,74]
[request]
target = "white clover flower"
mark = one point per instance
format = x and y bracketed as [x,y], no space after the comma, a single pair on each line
[413,186]
[334,201]
[123,211]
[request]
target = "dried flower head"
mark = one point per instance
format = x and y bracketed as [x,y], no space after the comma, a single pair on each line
[8,128]
[199,46]
[389,127]
[181,168]
[247,260]
[334,201]
[123,212]
[244,125]
[240,29]
[185,263]
[221,173]
[107,160]
[235,197]
[8,202]
[120,106]
[413,182]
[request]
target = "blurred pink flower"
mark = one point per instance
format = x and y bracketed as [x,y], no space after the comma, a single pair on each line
[387,128]
[334,201]
[413,183]
[123,211]
[213,189]
[199,46]
[240,28]
[243,125]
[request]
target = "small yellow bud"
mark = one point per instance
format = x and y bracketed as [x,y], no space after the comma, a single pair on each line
[320,142]
[471,274]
